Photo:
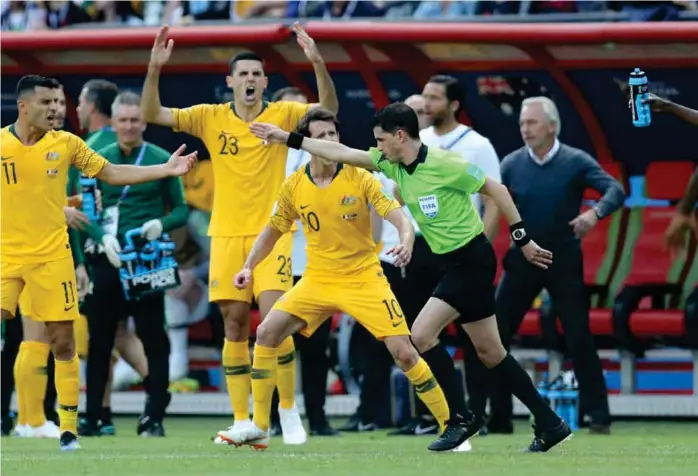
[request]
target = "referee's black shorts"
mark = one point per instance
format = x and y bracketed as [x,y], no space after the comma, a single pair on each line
[467,280]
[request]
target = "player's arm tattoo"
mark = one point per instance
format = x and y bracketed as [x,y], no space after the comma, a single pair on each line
[263,245]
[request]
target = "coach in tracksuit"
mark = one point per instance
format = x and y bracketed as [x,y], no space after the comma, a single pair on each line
[142,206]
[547,180]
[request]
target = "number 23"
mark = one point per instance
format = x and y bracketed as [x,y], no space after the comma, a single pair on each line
[229,144]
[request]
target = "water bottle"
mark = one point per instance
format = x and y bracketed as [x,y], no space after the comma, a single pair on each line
[639,91]
[129,259]
[167,248]
[148,258]
[89,198]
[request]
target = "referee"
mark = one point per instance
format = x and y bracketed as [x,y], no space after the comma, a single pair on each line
[436,186]
[139,206]
[547,180]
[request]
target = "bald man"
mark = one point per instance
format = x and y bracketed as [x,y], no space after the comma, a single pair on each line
[416,102]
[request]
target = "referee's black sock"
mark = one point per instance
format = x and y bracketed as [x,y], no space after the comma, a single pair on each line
[441,366]
[509,373]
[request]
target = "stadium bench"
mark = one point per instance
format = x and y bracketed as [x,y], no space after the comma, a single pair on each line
[649,310]
[655,284]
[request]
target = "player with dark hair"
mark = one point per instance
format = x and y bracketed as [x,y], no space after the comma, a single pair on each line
[94,112]
[34,366]
[251,174]
[436,187]
[36,253]
[343,273]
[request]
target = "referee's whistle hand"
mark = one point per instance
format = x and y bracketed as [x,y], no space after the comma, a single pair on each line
[537,255]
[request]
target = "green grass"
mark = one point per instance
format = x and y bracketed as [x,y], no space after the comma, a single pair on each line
[634,449]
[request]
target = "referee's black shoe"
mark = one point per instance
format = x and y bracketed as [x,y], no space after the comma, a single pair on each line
[458,430]
[417,426]
[546,438]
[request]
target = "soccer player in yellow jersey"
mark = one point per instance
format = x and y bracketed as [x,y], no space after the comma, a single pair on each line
[34,415]
[248,175]
[343,273]
[35,250]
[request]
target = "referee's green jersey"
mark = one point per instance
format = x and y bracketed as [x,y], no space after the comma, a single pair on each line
[436,188]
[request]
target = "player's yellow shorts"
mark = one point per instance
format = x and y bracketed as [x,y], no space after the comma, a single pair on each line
[372,304]
[228,256]
[51,287]
[25,304]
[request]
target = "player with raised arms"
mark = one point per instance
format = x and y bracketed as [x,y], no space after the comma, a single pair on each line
[343,273]
[436,186]
[36,253]
[248,175]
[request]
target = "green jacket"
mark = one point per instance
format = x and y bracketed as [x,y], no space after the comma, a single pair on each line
[101,138]
[162,200]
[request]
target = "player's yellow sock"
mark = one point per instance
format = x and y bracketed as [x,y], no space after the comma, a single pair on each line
[20,388]
[236,364]
[429,391]
[68,390]
[263,383]
[35,378]
[286,373]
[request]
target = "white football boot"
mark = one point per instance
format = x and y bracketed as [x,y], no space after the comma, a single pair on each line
[47,430]
[250,436]
[292,427]
[237,426]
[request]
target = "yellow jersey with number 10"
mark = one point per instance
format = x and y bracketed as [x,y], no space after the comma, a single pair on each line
[34,182]
[336,221]
[247,173]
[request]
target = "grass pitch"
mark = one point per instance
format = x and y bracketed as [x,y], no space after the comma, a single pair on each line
[635,449]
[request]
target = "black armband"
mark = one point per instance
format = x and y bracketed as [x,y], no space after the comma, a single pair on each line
[295,140]
[519,235]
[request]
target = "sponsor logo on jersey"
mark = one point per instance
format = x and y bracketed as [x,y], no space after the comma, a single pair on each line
[350,216]
[429,205]
[52,173]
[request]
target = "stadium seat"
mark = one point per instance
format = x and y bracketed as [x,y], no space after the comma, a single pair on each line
[656,284]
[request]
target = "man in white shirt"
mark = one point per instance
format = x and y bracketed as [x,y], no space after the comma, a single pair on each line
[443,97]
[315,362]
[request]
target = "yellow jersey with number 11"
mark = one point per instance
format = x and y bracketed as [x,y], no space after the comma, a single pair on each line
[247,173]
[34,182]
[336,221]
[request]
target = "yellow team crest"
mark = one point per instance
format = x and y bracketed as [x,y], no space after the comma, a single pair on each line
[53,156]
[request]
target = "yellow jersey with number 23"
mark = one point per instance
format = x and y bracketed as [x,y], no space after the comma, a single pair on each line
[337,222]
[247,173]
[34,182]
